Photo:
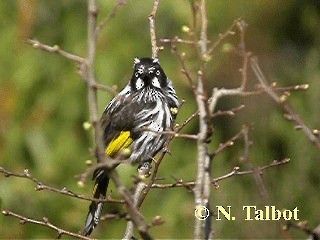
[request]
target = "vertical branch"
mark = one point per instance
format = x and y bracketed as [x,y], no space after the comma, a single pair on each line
[242,25]
[257,174]
[258,177]
[90,77]
[153,36]
[204,27]
[136,217]
[202,187]
[129,230]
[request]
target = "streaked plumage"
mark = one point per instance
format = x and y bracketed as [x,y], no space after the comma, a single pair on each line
[149,102]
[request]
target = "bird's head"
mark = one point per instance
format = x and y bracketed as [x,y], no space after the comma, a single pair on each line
[148,73]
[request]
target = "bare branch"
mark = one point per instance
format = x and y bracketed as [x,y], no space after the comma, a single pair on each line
[90,78]
[106,20]
[179,127]
[132,208]
[106,88]
[214,181]
[153,35]
[229,143]
[154,173]
[257,176]
[283,103]
[230,112]
[219,93]
[202,188]
[64,191]
[258,169]
[221,37]
[204,25]
[173,133]
[45,223]
[177,40]
[129,230]
[303,226]
[56,49]
[108,216]
[184,69]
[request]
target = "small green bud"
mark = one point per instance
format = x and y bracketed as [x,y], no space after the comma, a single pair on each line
[185,29]
[80,184]
[86,125]
[206,58]
[227,47]
[89,162]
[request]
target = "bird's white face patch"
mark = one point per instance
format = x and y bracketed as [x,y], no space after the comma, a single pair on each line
[139,84]
[155,82]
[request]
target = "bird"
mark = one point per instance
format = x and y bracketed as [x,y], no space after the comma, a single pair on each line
[132,123]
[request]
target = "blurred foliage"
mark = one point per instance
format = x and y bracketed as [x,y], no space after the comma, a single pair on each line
[43,106]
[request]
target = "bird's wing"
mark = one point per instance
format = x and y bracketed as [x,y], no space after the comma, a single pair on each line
[117,121]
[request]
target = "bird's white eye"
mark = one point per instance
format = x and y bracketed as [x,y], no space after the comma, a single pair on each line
[136,74]
[158,72]
[141,69]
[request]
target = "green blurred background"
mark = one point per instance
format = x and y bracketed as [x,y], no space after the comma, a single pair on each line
[43,104]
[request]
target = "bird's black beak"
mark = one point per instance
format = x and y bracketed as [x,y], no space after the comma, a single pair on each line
[145,77]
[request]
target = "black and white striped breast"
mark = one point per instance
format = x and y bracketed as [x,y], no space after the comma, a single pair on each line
[150,122]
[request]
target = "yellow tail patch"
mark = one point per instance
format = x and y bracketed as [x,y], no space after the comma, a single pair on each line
[119,143]
[94,189]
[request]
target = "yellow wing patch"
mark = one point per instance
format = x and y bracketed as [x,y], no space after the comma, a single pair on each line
[121,142]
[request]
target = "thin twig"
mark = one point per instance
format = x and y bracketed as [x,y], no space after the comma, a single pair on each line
[45,222]
[173,133]
[221,37]
[314,234]
[290,114]
[184,69]
[154,173]
[257,176]
[242,26]
[106,20]
[177,40]
[56,49]
[119,216]
[229,143]
[64,191]
[193,116]
[108,162]
[230,112]
[106,88]
[234,172]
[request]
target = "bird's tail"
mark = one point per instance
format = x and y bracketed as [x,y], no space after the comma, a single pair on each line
[95,209]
